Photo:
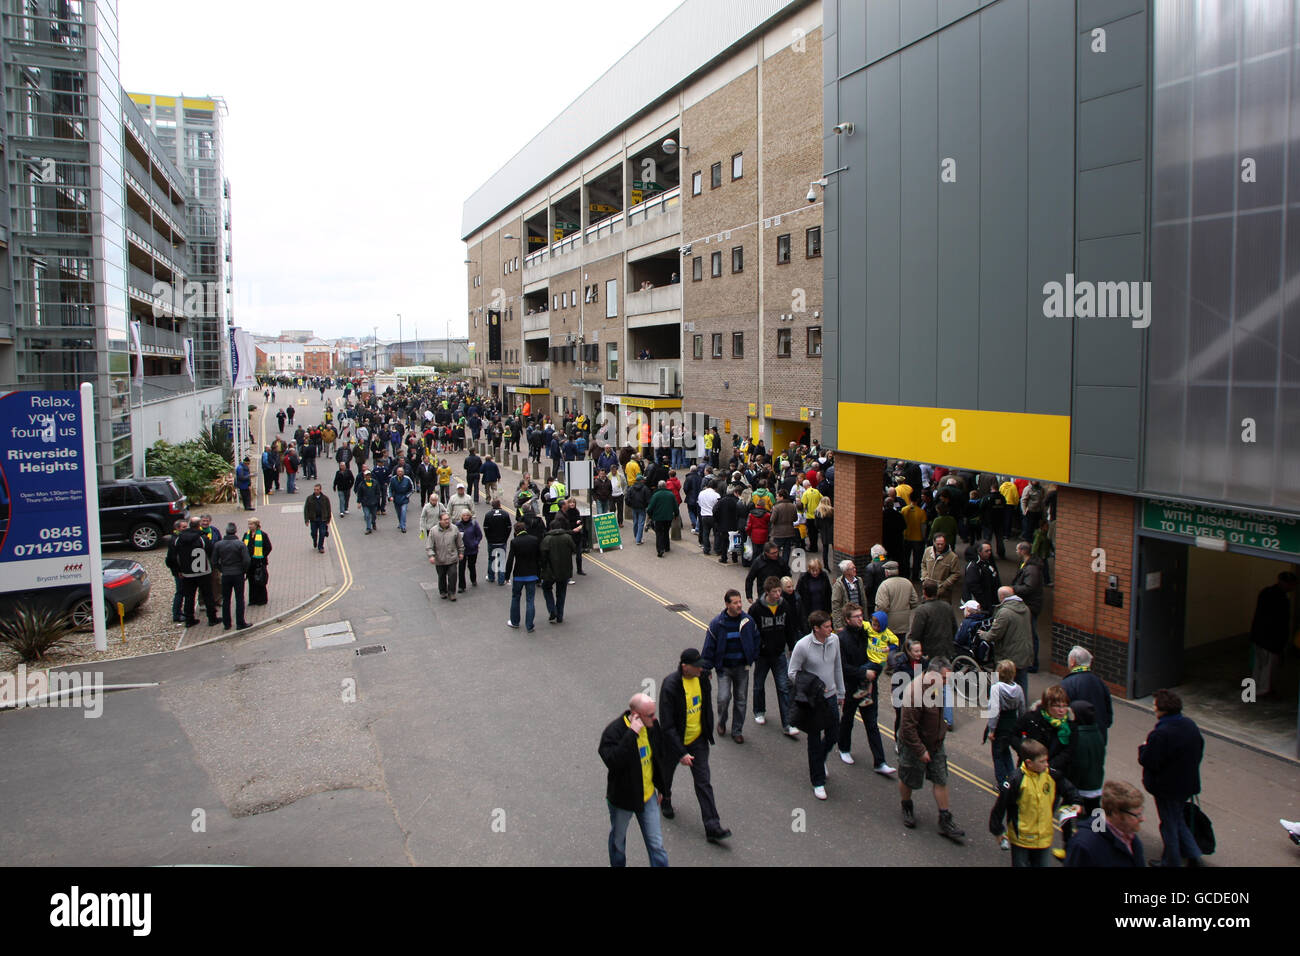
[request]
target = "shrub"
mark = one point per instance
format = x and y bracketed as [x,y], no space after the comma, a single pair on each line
[216,440]
[33,631]
[193,468]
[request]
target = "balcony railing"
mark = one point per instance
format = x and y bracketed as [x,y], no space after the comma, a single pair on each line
[156,341]
[535,374]
[659,299]
[657,205]
[606,227]
[537,321]
[650,372]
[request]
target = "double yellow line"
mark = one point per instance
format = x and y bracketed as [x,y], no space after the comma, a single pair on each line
[961,772]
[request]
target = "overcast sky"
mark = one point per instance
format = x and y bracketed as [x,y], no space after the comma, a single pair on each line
[356,132]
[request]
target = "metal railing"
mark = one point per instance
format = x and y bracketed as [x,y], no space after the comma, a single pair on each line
[657,205]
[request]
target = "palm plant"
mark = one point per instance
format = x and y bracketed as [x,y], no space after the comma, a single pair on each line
[35,630]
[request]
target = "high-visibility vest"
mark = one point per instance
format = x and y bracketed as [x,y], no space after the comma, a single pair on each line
[257,544]
[560,493]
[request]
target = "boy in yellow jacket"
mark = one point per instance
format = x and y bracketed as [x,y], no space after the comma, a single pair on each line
[1027,803]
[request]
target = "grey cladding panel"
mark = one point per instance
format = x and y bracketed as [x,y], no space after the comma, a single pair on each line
[1112,200]
[1093,13]
[882,263]
[918,18]
[950,10]
[1004,247]
[1051,200]
[1112,129]
[920,187]
[958,277]
[852,36]
[882,27]
[1109,351]
[1100,472]
[853,249]
[1122,65]
[1105,422]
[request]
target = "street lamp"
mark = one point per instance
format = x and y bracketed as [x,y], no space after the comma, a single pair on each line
[400,350]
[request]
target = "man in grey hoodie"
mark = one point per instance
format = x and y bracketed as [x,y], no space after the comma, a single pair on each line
[818,654]
[231,558]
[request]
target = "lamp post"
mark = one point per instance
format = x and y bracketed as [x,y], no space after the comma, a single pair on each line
[401,350]
[375,363]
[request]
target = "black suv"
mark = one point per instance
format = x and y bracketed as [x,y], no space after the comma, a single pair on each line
[139,511]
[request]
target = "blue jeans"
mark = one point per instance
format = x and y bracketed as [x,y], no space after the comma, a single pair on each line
[319,529]
[401,513]
[779,666]
[1179,842]
[531,588]
[1024,856]
[343,501]
[369,512]
[292,477]
[554,595]
[733,689]
[638,523]
[1004,761]
[651,832]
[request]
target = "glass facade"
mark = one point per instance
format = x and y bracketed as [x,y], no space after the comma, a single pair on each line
[1223,363]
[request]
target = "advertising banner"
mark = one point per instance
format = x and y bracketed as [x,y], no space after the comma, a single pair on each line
[44,532]
[607,533]
[243,359]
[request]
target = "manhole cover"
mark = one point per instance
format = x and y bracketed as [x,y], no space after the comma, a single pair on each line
[329,635]
[677,607]
[372,649]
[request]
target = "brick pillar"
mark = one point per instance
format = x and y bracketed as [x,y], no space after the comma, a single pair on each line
[1086,520]
[859,487]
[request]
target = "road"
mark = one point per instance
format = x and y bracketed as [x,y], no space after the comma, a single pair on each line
[466,742]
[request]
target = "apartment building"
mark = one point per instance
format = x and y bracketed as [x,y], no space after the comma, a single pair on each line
[653,251]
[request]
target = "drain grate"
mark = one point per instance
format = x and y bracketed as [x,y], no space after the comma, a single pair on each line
[372,649]
[677,607]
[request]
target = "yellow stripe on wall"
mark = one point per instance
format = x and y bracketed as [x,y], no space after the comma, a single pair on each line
[1014,443]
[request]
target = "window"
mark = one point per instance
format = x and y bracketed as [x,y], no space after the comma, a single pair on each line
[738,259]
[717,345]
[737,344]
[697,183]
[814,242]
[555,304]
[815,340]
[715,176]
[716,264]
[573,298]
[564,300]
[783,343]
[697,268]
[611,298]
[783,249]
[736,166]
[698,347]
[611,361]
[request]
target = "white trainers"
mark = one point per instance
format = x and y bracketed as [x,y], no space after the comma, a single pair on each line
[791,731]
[884,769]
[1005,844]
[846,756]
[760,719]
[819,793]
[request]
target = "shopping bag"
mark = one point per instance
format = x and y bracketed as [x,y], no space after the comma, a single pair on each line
[1200,825]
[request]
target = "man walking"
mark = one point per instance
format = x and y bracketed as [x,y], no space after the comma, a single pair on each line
[817,677]
[778,632]
[556,569]
[1010,635]
[661,510]
[316,513]
[686,734]
[400,489]
[731,646]
[861,696]
[940,565]
[244,484]
[523,567]
[921,754]
[497,527]
[1028,585]
[634,776]
[1171,773]
[1082,684]
[445,547]
[232,559]
[367,490]
[473,471]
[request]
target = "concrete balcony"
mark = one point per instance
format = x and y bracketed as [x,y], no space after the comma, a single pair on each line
[659,299]
[536,374]
[654,219]
[537,322]
[655,377]
[156,341]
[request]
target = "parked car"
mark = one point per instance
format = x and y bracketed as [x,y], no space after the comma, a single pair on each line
[139,511]
[126,582]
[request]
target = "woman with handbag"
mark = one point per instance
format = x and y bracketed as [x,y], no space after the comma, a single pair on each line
[258,543]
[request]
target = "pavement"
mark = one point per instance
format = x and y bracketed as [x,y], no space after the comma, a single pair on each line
[461,741]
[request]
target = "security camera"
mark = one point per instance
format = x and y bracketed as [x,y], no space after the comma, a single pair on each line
[812,193]
[845,128]
[686,249]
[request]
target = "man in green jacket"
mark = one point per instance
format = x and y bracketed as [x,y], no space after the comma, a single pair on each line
[661,510]
[557,567]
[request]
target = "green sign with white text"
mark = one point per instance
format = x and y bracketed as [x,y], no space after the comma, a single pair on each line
[1264,532]
[607,532]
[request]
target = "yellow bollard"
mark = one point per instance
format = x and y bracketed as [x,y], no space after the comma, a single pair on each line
[121,616]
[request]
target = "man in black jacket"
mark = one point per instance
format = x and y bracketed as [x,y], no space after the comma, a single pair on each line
[853,664]
[473,467]
[726,518]
[1171,773]
[627,749]
[523,567]
[232,560]
[981,578]
[194,563]
[686,731]
[496,532]
[767,565]
[1269,631]
[778,632]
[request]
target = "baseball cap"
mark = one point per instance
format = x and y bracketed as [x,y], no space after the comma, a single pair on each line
[691,656]
[971,606]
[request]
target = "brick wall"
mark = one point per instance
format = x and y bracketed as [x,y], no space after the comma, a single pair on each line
[859,481]
[1087,520]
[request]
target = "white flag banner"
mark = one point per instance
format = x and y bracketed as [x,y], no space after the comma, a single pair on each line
[189,358]
[139,350]
[243,359]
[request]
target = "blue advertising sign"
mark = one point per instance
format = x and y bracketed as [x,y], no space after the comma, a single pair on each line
[44,534]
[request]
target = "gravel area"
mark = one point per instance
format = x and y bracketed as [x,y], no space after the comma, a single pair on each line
[149,628]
